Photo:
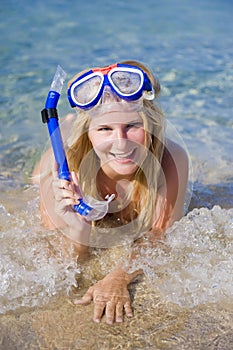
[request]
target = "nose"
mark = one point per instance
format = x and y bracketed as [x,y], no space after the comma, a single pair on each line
[120,139]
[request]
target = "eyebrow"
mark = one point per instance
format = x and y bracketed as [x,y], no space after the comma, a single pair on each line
[126,123]
[102,125]
[135,121]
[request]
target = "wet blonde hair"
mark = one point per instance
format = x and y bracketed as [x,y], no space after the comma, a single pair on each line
[83,160]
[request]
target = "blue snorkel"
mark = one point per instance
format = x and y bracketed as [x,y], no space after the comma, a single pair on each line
[50,116]
[88,207]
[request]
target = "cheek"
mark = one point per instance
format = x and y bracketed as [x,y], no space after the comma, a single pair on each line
[137,136]
[102,147]
[95,139]
[98,144]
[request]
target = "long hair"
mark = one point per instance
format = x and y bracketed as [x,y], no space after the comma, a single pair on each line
[83,160]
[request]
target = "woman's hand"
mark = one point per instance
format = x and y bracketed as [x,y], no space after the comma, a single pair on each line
[110,295]
[66,194]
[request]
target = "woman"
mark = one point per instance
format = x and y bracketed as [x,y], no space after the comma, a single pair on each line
[117,146]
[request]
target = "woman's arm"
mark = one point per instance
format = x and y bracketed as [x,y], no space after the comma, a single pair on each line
[57,198]
[42,176]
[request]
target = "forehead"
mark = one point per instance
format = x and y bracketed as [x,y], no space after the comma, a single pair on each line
[115,118]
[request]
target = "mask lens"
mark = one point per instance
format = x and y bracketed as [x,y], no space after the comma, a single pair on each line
[86,91]
[126,82]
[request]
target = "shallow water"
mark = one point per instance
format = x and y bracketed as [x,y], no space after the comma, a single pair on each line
[184,300]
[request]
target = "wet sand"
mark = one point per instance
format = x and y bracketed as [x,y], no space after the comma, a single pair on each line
[61,326]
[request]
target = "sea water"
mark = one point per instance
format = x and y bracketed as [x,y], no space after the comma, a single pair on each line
[188,45]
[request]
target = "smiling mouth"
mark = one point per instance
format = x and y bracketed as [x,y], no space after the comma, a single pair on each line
[124,156]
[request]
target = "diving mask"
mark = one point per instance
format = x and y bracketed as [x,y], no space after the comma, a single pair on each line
[126,82]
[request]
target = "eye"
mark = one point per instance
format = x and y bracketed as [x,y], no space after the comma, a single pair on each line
[104,128]
[134,125]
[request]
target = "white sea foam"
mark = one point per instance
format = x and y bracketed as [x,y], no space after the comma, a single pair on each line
[30,272]
[194,264]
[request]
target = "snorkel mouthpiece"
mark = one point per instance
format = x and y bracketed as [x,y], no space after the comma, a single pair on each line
[89,207]
[94,210]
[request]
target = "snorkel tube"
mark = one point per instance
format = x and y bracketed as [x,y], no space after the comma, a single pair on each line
[50,116]
[88,207]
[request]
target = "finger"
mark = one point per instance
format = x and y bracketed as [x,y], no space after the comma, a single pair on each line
[128,309]
[119,312]
[62,194]
[98,311]
[74,178]
[61,184]
[77,189]
[110,312]
[85,300]
[63,201]
[61,207]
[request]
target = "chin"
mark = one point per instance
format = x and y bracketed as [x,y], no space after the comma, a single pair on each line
[125,170]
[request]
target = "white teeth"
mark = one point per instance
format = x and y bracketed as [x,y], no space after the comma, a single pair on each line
[122,155]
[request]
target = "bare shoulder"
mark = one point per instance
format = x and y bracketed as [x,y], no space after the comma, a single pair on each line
[43,167]
[177,152]
[175,166]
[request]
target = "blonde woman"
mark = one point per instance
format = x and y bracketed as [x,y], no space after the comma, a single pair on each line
[117,145]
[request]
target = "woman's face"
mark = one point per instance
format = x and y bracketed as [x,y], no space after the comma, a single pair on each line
[118,139]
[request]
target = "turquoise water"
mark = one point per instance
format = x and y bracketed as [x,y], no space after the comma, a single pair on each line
[189,46]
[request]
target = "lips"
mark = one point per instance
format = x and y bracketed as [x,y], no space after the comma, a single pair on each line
[124,157]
